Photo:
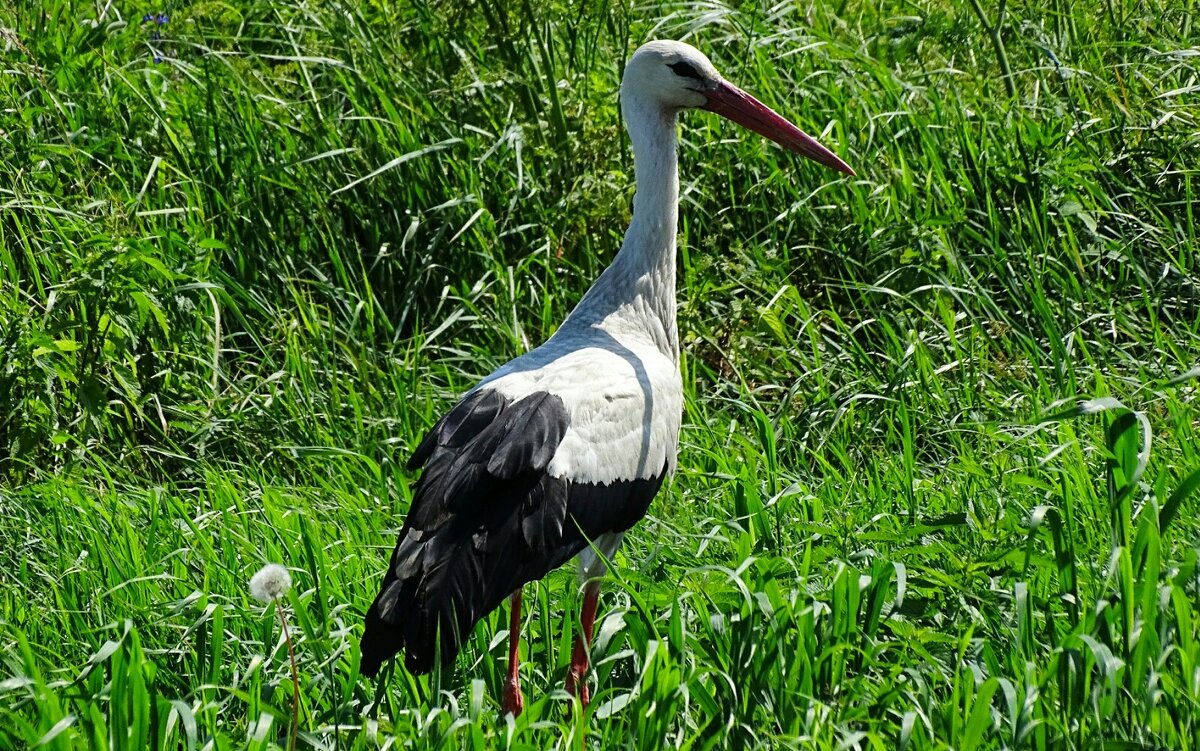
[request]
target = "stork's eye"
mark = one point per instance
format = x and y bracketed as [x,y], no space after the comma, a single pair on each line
[684,69]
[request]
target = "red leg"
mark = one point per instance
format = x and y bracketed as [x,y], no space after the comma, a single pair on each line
[577,675]
[513,703]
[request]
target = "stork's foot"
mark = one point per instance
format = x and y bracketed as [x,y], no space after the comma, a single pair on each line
[512,703]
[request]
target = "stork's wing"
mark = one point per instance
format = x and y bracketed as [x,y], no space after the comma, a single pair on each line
[487,517]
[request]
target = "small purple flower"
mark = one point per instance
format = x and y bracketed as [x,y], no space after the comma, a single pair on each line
[159,19]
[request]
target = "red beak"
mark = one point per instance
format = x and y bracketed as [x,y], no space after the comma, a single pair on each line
[731,102]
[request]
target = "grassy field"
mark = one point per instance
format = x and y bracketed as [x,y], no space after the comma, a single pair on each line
[936,484]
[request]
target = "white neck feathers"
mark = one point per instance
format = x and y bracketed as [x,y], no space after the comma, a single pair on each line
[638,290]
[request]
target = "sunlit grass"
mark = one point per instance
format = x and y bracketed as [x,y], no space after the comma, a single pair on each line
[936,485]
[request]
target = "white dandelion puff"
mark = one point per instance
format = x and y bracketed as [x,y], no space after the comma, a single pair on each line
[271,583]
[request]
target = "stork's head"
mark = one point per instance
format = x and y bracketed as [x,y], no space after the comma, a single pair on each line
[675,76]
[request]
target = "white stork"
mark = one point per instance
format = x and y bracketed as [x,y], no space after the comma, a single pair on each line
[560,451]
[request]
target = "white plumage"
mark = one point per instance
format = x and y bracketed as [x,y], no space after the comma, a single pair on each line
[560,451]
[625,402]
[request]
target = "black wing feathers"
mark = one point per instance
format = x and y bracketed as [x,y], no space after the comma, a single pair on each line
[475,412]
[533,428]
[485,519]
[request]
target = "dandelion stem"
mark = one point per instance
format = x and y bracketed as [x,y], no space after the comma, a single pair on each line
[295,729]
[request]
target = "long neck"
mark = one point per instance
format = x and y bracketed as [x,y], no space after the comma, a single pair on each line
[638,289]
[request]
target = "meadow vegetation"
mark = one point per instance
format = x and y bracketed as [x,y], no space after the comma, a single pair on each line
[936,484]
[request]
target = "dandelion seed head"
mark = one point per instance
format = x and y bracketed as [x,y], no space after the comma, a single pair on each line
[270,583]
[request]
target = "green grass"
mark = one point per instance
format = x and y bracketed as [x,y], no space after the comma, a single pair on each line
[936,484]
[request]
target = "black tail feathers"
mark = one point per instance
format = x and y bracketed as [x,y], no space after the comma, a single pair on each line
[380,641]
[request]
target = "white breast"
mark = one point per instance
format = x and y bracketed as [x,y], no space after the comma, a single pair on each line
[625,399]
